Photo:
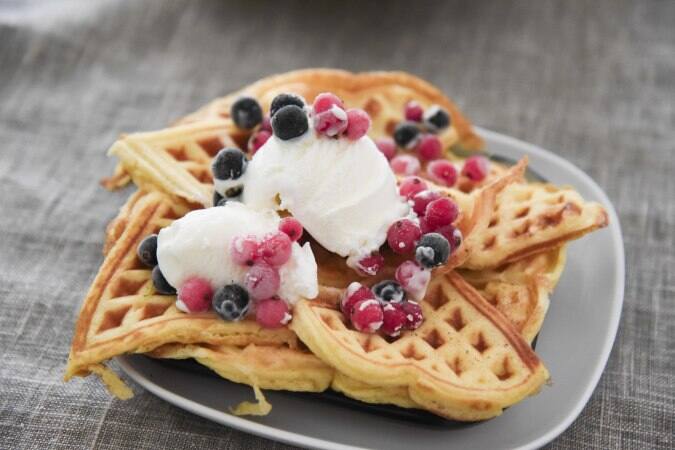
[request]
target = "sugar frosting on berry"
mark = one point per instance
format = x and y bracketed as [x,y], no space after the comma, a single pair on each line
[199,245]
[342,191]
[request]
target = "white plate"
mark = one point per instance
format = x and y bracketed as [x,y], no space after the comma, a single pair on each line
[574,343]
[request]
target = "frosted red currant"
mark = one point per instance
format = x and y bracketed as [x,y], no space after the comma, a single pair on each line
[413,315]
[440,212]
[452,234]
[324,102]
[370,265]
[244,250]
[257,140]
[414,279]
[358,123]
[405,165]
[411,186]
[429,147]
[442,172]
[476,168]
[275,248]
[272,313]
[413,111]
[422,199]
[367,315]
[262,281]
[402,236]
[387,146]
[393,319]
[266,124]
[195,294]
[291,227]
[355,292]
[331,122]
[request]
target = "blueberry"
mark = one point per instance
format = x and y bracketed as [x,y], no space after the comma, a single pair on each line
[282,100]
[231,302]
[147,251]
[161,285]
[406,134]
[432,250]
[246,113]
[290,122]
[436,118]
[389,291]
[229,164]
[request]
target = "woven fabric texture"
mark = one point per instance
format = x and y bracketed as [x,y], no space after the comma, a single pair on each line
[593,81]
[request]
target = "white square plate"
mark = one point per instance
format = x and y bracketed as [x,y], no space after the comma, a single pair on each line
[574,343]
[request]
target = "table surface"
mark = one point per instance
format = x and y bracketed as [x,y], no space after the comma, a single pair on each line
[593,81]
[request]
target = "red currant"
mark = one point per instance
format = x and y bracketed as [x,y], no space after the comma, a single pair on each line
[403,235]
[411,186]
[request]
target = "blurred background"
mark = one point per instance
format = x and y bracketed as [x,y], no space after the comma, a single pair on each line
[593,81]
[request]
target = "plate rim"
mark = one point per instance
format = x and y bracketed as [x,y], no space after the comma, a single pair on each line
[614,317]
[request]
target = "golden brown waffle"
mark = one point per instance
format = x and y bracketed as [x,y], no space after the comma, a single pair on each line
[492,367]
[122,313]
[533,218]
[238,359]
[265,366]
[192,146]
[382,94]
[153,167]
[465,362]
[520,290]
[527,219]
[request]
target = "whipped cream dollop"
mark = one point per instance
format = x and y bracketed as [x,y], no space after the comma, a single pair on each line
[342,191]
[198,244]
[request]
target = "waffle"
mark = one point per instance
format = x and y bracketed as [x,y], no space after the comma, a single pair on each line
[122,313]
[186,151]
[533,218]
[520,290]
[528,218]
[382,94]
[265,366]
[466,362]
[153,167]
[192,145]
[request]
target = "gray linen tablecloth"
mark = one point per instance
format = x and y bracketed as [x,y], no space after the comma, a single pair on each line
[592,81]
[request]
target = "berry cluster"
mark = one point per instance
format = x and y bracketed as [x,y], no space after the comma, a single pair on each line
[247,114]
[330,118]
[418,133]
[431,234]
[383,308]
[232,302]
[288,119]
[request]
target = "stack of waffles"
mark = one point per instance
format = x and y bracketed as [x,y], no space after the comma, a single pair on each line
[470,359]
